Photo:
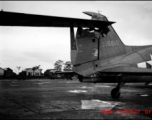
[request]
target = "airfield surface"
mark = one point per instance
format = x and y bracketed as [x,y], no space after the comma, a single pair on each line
[66,99]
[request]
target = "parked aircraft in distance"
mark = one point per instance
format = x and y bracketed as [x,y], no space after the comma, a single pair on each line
[95,49]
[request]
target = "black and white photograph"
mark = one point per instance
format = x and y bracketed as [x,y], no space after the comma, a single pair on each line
[76,60]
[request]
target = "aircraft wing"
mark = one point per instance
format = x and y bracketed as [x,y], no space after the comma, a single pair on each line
[33,20]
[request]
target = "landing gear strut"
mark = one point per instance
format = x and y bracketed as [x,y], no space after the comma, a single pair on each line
[115,92]
[80,78]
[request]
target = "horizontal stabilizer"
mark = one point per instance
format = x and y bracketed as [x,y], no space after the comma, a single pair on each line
[32,20]
[133,70]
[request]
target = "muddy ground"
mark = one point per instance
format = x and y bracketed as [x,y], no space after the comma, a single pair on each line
[62,99]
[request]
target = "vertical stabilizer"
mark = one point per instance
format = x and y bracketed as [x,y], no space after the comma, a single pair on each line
[109,44]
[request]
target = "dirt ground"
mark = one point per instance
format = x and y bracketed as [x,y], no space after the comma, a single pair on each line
[63,99]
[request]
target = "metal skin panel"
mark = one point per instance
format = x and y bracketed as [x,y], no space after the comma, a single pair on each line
[96,65]
[85,69]
[73,56]
[87,49]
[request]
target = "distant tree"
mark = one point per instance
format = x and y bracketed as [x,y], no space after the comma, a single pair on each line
[67,66]
[58,65]
[36,67]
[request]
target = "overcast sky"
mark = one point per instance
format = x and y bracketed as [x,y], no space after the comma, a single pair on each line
[30,46]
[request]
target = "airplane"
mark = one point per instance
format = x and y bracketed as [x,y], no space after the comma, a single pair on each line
[96,49]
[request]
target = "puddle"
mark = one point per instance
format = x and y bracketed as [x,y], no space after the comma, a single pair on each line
[42,82]
[144,95]
[84,87]
[97,104]
[93,87]
[77,91]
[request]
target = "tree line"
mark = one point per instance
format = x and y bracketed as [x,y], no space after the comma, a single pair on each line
[59,64]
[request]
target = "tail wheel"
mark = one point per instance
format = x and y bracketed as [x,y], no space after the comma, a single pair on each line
[115,93]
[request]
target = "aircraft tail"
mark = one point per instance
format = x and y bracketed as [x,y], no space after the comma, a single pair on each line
[110,43]
[97,43]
